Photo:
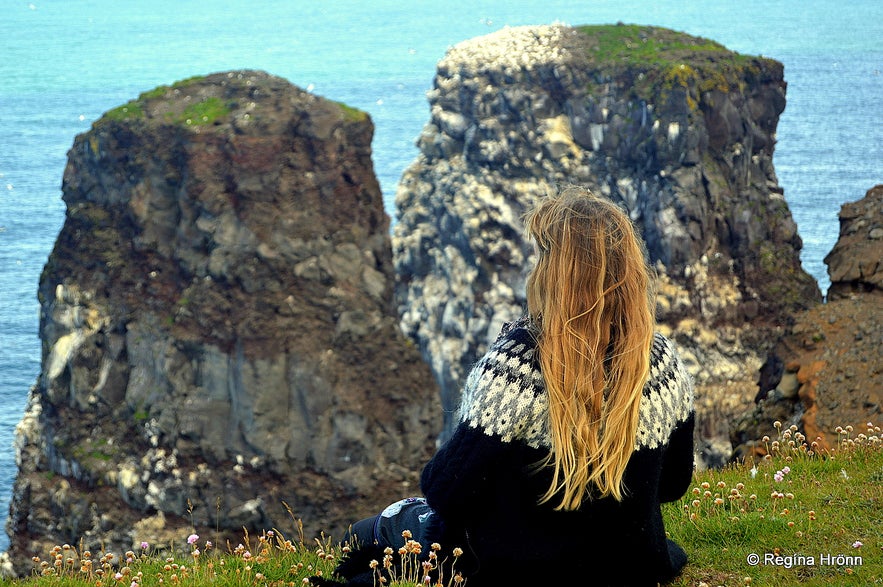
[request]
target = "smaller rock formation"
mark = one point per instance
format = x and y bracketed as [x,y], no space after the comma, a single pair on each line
[220,345]
[828,371]
[855,264]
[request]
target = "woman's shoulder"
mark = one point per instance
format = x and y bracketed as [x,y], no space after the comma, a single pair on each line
[668,394]
[504,394]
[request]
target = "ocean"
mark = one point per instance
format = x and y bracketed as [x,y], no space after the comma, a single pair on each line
[65,62]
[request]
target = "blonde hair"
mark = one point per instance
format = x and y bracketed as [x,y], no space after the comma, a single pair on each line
[591,297]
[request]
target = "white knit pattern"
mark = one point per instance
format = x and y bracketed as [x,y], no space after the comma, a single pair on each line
[668,396]
[505,395]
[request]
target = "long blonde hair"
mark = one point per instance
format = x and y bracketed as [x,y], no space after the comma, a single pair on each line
[590,296]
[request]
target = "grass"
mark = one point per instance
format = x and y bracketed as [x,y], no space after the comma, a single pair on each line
[801,515]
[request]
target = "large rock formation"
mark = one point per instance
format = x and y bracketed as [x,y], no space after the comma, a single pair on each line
[219,335]
[677,129]
[828,371]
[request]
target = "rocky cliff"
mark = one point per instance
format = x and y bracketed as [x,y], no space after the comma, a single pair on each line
[677,129]
[828,371]
[220,345]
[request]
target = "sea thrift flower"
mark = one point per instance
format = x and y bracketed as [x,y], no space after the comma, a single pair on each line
[192,539]
[857,544]
[144,546]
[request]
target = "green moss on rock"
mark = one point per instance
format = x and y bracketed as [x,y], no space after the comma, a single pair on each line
[127,111]
[351,114]
[659,60]
[160,101]
[204,112]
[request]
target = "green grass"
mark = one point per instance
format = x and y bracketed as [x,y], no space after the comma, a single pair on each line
[818,522]
[791,509]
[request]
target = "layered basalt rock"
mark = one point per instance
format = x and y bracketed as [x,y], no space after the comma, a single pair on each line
[220,344]
[828,372]
[676,129]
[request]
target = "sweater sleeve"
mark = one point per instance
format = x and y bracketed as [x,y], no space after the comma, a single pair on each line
[677,467]
[667,419]
[457,478]
[503,408]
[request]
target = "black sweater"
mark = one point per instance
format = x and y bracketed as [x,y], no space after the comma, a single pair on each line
[484,483]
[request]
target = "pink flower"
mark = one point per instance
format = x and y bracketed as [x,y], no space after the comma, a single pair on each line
[786,470]
[192,539]
[857,544]
[778,476]
[144,546]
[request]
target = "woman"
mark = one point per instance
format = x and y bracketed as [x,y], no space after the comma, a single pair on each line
[573,427]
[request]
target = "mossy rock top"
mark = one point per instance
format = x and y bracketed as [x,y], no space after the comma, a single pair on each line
[212,100]
[657,58]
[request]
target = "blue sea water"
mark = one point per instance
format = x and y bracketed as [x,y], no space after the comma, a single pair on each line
[65,62]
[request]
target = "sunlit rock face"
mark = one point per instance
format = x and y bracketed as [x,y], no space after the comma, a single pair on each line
[676,129]
[220,345]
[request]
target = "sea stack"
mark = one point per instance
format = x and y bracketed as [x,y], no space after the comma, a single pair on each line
[677,129]
[220,344]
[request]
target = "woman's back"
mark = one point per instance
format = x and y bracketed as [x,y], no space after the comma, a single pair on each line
[485,483]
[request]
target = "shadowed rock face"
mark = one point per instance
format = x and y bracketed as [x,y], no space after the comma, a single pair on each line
[676,129]
[219,336]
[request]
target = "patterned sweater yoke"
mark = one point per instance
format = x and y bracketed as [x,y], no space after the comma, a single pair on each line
[505,395]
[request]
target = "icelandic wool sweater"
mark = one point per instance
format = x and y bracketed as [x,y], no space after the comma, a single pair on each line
[485,484]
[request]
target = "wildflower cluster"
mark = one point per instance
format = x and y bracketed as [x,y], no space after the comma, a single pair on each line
[868,440]
[409,568]
[720,500]
[790,444]
[66,561]
[272,559]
